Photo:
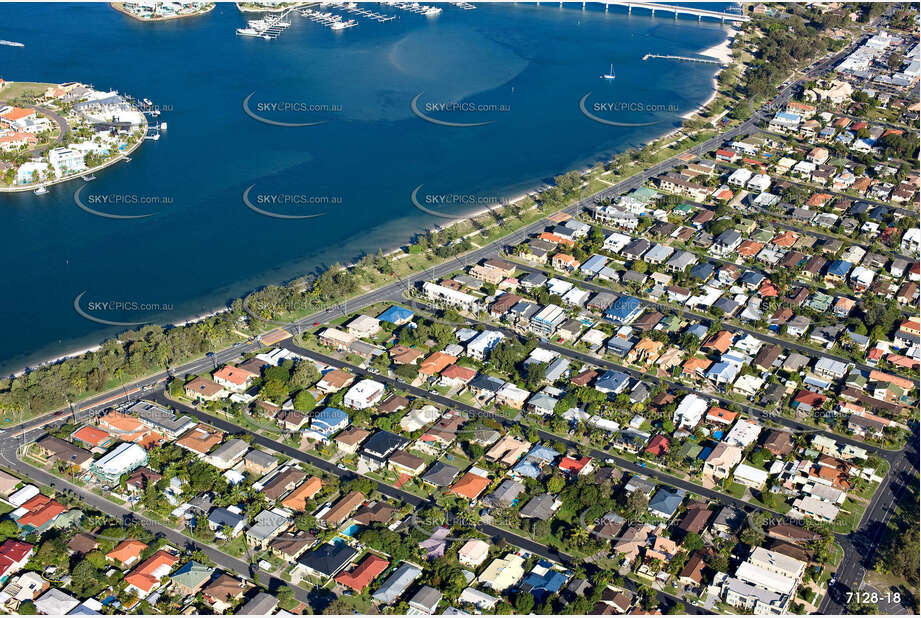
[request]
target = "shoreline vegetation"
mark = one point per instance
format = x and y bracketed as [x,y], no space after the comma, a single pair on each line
[121,8]
[150,349]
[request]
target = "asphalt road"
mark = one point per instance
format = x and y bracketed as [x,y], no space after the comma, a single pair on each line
[33,428]
[701,317]
[126,516]
[748,408]
[387,490]
[473,412]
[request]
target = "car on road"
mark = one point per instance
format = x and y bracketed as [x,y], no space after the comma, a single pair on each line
[341,466]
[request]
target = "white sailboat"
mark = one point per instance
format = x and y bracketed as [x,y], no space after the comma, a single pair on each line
[609,74]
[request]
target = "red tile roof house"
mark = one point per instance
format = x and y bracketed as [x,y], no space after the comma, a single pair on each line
[658,446]
[807,401]
[92,437]
[13,557]
[470,486]
[576,467]
[234,378]
[146,577]
[38,513]
[366,572]
[127,552]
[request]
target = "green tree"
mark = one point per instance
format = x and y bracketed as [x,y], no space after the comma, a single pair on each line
[304,401]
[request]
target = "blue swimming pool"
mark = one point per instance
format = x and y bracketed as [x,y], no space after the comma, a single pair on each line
[351,530]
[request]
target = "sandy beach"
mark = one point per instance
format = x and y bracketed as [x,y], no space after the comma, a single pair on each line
[723,53]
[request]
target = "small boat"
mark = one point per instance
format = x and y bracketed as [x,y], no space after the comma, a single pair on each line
[247,32]
[127,159]
[609,74]
[88,178]
[162,126]
[41,190]
[11,43]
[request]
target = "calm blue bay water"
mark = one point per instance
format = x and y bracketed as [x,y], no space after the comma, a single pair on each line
[206,247]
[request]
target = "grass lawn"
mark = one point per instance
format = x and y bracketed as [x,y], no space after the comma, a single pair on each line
[235,547]
[18,89]
[736,490]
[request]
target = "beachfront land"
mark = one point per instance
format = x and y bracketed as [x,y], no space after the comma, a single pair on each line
[162,11]
[50,133]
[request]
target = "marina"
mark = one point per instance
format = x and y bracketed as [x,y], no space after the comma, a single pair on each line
[415,7]
[268,28]
[352,7]
[332,20]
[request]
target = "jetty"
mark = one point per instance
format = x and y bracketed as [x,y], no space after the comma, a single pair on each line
[331,20]
[684,58]
[268,28]
[415,7]
[352,7]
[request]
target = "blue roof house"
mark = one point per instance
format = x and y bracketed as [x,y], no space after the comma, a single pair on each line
[838,269]
[396,315]
[531,463]
[722,373]
[544,580]
[594,264]
[327,423]
[612,382]
[665,502]
[624,310]
[702,271]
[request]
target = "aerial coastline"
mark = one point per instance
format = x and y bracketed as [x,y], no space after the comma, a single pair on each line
[678,379]
[154,12]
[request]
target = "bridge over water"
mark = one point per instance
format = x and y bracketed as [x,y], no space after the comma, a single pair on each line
[670,8]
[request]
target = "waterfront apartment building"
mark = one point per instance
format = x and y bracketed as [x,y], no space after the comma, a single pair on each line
[452,298]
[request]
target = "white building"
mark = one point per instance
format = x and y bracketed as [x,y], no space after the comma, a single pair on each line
[689,412]
[122,459]
[481,345]
[66,161]
[449,297]
[740,177]
[364,394]
[743,433]
[32,171]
